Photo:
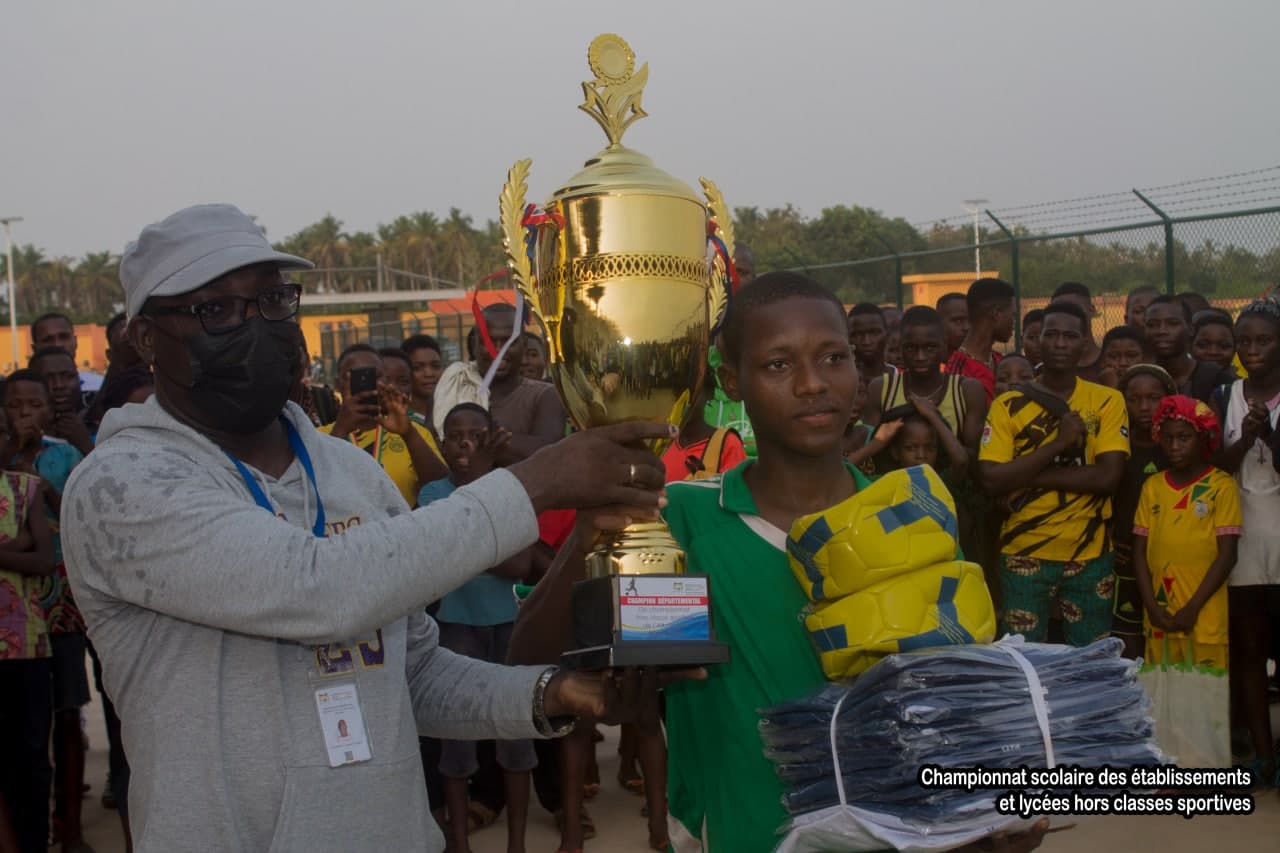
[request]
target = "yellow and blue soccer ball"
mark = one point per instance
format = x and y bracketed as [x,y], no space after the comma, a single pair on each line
[882,572]
[904,521]
[943,605]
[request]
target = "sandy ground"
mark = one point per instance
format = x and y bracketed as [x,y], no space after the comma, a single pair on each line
[621,829]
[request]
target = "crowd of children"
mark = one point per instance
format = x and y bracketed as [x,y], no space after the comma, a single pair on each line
[1126,487]
[1130,479]
[46,428]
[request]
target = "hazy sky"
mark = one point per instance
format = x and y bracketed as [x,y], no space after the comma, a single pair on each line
[114,114]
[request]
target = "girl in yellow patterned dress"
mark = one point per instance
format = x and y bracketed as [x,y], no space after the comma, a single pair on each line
[1185,535]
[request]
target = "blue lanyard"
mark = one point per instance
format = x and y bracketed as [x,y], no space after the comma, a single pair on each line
[299,450]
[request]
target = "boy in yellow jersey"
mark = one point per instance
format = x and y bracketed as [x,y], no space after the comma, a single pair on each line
[1057,448]
[1185,536]
[378,423]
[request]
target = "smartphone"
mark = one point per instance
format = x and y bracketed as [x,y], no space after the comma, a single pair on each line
[363,379]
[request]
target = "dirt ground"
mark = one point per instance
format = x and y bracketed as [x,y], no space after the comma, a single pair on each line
[622,829]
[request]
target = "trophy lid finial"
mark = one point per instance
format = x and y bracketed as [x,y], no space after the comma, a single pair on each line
[613,100]
[613,97]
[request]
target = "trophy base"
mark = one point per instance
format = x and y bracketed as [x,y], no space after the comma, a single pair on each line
[668,654]
[661,620]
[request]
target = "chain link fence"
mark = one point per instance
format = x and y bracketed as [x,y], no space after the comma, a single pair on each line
[389,328]
[378,323]
[1217,237]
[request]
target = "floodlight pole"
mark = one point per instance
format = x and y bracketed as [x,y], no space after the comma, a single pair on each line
[974,206]
[1017,278]
[13,289]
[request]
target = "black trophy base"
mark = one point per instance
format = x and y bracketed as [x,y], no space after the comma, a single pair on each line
[670,612]
[665,654]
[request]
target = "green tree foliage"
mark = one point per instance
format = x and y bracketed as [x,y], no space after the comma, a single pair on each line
[782,238]
[847,247]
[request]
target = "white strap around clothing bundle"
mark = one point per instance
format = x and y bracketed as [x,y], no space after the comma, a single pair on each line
[849,827]
[1009,645]
[1006,644]
[835,753]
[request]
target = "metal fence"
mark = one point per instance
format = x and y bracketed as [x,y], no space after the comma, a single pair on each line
[380,306]
[1177,238]
[1219,237]
[388,328]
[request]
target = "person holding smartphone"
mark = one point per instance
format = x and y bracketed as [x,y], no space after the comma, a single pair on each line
[374,416]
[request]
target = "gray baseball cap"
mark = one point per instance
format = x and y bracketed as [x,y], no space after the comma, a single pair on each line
[191,248]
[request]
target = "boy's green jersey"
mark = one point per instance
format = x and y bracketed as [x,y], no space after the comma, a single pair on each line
[721,787]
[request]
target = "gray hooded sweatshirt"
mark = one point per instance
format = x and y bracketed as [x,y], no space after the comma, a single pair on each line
[217,622]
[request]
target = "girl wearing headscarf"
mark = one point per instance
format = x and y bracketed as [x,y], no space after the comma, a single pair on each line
[1184,539]
[1184,546]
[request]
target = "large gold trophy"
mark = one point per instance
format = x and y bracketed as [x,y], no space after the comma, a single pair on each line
[617,268]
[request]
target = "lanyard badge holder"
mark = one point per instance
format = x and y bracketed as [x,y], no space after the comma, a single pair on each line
[346,738]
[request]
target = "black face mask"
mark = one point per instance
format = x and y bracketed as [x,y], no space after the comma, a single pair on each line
[240,381]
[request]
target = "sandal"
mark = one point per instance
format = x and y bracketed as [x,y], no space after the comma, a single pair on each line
[479,816]
[588,825]
[633,785]
[591,787]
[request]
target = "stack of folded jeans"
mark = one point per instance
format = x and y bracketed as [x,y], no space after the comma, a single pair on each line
[1006,705]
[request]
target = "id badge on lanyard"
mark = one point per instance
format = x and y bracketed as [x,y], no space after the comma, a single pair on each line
[337,695]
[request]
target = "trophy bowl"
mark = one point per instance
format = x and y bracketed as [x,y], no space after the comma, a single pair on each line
[626,268]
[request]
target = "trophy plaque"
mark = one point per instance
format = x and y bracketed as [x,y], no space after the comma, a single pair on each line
[627,269]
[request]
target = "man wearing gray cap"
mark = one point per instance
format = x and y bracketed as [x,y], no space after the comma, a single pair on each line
[271,676]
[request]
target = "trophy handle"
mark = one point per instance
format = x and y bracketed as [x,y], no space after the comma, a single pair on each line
[516,241]
[719,228]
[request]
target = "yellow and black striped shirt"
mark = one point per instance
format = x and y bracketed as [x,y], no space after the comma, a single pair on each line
[1049,524]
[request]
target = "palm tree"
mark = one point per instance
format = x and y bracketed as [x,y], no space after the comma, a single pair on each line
[329,244]
[492,255]
[98,283]
[420,242]
[409,242]
[29,269]
[457,241]
[324,244]
[59,291]
[391,240]
[363,249]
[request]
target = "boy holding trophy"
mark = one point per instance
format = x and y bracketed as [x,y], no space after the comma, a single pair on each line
[616,269]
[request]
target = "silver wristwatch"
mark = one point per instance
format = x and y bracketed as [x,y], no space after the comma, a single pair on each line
[548,727]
